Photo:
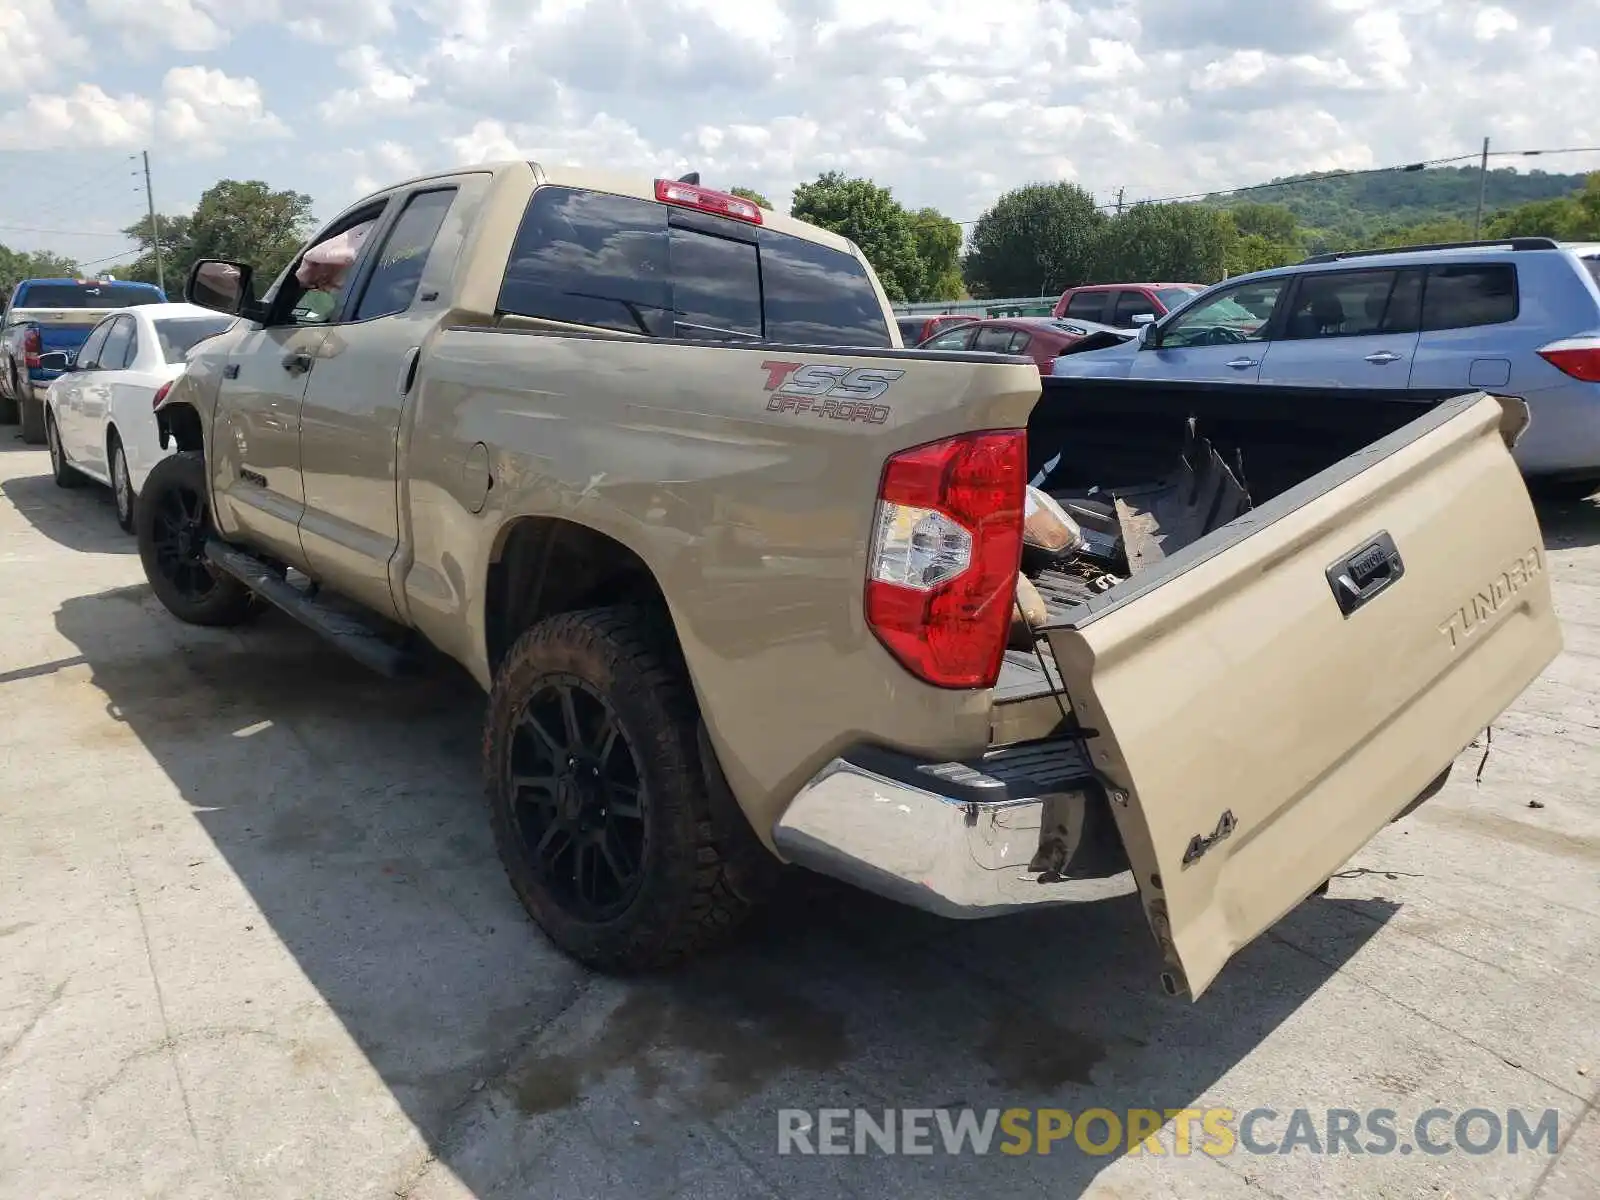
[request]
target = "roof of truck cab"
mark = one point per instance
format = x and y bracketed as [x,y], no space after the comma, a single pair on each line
[623,184]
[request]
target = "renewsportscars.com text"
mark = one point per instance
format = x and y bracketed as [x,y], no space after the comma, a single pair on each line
[1174,1131]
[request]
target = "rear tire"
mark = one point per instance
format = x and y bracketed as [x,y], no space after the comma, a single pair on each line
[65,474]
[172,522]
[30,410]
[121,484]
[598,803]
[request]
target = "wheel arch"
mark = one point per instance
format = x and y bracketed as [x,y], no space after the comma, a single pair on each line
[179,422]
[541,566]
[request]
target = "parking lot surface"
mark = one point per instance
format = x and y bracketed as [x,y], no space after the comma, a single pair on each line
[255,942]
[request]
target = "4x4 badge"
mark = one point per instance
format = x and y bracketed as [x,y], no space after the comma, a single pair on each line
[1199,844]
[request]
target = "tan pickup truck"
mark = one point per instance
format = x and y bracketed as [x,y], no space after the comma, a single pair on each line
[738,571]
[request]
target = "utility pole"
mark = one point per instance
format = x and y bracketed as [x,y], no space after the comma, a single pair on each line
[155,223]
[1483,183]
[1119,202]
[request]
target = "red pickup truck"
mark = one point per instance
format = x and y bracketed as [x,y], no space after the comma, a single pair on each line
[1123,304]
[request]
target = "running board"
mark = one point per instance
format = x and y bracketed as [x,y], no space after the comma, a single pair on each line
[359,640]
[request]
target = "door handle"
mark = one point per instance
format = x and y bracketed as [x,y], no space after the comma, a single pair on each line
[1383,357]
[231,371]
[1239,364]
[1357,578]
[297,363]
[408,371]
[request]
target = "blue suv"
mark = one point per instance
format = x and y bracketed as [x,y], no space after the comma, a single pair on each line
[1519,317]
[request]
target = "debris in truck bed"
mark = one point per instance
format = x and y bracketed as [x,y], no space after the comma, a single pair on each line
[1202,494]
[1128,530]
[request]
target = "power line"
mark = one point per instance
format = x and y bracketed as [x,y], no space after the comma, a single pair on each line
[131,250]
[61,232]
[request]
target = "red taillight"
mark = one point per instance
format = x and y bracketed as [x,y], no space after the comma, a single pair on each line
[1578,357]
[691,195]
[32,347]
[942,568]
[161,395]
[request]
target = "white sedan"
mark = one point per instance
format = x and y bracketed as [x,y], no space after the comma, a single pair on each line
[99,419]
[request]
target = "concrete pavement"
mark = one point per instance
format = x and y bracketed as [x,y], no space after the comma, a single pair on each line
[254,942]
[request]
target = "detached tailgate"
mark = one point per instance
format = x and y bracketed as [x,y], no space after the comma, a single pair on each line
[1277,692]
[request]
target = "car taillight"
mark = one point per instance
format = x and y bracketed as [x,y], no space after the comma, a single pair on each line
[692,195]
[942,568]
[1578,357]
[161,394]
[32,347]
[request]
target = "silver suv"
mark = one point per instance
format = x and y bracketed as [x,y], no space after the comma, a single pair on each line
[1518,317]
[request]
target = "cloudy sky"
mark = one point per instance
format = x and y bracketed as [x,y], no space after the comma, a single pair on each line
[946,101]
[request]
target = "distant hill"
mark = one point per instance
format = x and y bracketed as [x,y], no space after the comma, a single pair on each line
[1336,212]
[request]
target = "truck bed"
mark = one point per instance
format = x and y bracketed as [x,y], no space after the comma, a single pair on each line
[1098,441]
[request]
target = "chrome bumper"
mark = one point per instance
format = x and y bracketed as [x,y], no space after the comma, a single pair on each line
[949,855]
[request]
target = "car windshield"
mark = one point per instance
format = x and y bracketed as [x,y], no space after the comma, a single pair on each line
[179,335]
[1172,297]
[87,295]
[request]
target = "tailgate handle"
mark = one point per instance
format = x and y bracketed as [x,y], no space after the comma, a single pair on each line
[1358,577]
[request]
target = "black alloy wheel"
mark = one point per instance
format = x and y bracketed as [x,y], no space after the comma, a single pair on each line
[578,804]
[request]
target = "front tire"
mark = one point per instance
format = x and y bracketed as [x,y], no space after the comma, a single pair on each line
[121,485]
[65,475]
[172,522]
[598,803]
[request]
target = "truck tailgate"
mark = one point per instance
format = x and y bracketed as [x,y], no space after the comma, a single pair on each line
[1270,697]
[63,328]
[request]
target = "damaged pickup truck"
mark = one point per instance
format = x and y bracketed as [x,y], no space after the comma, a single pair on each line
[748,583]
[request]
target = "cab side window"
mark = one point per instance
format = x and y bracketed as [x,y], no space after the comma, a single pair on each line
[1087,306]
[404,253]
[296,304]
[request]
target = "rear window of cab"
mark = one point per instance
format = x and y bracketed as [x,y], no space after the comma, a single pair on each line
[615,262]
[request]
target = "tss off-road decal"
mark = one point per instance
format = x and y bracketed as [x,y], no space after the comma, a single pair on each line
[829,390]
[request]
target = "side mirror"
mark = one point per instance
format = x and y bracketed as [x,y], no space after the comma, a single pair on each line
[1146,337]
[1144,318]
[54,360]
[223,286]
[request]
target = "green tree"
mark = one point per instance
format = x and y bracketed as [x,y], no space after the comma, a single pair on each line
[249,221]
[238,219]
[17,265]
[174,253]
[751,195]
[1180,242]
[1574,218]
[1037,240]
[1267,236]
[870,217]
[938,241]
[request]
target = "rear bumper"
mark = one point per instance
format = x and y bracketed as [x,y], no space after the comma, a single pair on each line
[1018,828]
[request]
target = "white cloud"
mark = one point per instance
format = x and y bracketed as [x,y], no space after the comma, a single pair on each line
[199,112]
[85,116]
[380,90]
[947,102]
[205,110]
[35,45]
[339,21]
[186,25]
